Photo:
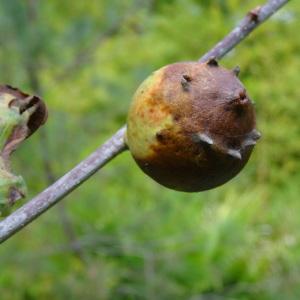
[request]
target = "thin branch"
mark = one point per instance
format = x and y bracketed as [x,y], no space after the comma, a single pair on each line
[61,188]
[116,144]
[254,18]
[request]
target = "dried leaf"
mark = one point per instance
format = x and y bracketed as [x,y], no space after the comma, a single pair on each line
[20,116]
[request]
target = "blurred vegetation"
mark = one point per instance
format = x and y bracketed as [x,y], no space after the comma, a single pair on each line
[121,235]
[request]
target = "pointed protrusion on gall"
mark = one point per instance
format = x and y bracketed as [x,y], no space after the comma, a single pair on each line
[204,138]
[251,139]
[255,135]
[236,71]
[185,80]
[212,62]
[249,142]
[234,153]
[240,100]
[242,94]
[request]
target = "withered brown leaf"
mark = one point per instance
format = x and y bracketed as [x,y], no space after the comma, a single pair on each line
[21,115]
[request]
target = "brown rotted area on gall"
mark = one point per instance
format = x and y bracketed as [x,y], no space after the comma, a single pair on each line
[181,164]
[215,100]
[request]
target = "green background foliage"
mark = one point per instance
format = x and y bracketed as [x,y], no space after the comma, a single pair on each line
[121,235]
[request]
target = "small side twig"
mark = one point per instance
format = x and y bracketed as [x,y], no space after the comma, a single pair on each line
[116,144]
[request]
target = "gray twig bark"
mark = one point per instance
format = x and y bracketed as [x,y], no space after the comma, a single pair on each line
[254,18]
[116,144]
[62,187]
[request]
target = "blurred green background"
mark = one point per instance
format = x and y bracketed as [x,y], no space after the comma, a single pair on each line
[121,235]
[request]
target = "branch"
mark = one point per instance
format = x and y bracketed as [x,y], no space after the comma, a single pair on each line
[116,144]
[61,188]
[254,18]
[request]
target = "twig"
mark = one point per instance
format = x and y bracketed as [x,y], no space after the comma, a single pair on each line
[116,144]
[61,188]
[254,18]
